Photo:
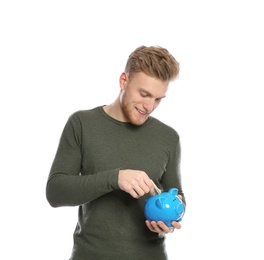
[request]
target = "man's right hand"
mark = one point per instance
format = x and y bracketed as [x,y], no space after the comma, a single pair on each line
[136,183]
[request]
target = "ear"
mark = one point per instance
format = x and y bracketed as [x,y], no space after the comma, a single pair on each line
[160,202]
[173,191]
[123,80]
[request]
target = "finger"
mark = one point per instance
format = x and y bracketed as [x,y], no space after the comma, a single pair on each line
[159,227]
[165,229]
[146,189]
[133,193]
[150,226]
[142,188]
[149,187]
[176,224]
[140,192]
[143,185]
[152,191]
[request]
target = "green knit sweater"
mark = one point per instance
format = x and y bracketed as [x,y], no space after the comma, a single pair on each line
[92,149]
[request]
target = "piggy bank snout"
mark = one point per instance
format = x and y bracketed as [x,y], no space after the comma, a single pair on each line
[179,208]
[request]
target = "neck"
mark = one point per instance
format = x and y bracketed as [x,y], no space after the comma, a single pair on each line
[114,110]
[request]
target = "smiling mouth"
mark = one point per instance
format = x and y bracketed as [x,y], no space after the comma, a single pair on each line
[141,112]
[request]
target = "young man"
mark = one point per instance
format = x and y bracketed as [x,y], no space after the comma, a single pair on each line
[107,159]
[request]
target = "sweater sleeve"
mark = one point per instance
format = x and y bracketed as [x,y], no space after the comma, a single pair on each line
[172,176]
[66,186]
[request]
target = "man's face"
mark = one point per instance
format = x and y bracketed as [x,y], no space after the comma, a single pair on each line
[140,95]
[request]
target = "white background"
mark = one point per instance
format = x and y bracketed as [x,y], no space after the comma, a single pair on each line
[57,57]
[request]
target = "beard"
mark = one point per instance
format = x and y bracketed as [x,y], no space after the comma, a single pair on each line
[132,115]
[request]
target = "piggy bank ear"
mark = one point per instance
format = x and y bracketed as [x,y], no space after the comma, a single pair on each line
[160,202]
[173,191]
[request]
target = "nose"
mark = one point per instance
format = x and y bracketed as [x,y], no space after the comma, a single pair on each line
[149,105]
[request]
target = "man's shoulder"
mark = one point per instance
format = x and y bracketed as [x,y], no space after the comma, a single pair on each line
[164,127]
[86,113]
[84,117]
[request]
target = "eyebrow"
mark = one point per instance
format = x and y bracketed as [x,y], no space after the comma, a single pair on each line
[148,93]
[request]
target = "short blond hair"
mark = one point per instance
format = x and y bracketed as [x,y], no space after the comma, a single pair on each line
[154,61]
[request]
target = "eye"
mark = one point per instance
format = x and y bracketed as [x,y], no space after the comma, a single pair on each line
[144,94]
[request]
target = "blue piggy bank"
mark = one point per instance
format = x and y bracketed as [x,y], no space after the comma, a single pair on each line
[165,206]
